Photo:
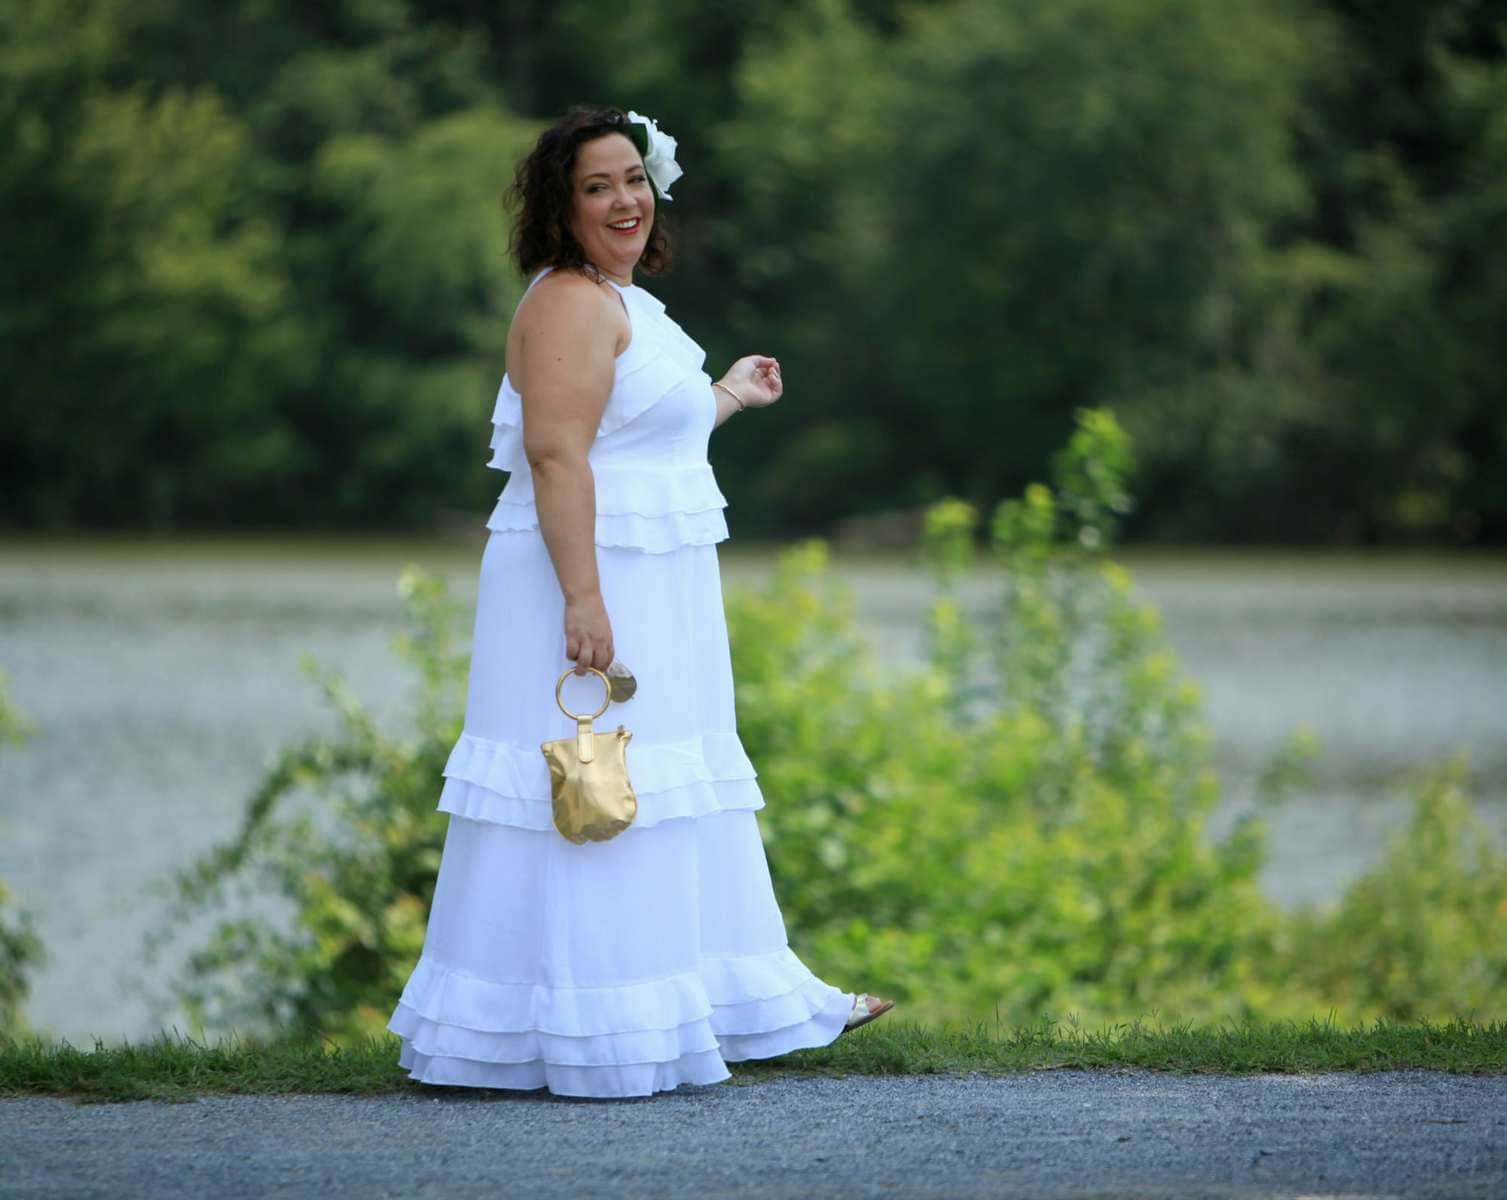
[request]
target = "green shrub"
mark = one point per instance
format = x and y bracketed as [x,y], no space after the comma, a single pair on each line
[357,865]
[1423,933]
[20,948]
[1018,826]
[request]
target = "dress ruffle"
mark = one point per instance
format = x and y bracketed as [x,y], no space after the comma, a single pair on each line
[650,508]
[631,1039]
[466,799]
[636,1079]
[652,376]
[629,531]
[647,490]
[509,785]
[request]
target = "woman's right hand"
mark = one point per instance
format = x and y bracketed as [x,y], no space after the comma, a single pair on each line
[588,633]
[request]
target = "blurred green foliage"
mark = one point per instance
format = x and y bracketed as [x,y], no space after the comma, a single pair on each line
[1423,930]
[1016,829]
[357,865]
[253,265]
[20,949]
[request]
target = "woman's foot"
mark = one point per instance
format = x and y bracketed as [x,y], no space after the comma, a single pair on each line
[865,1009]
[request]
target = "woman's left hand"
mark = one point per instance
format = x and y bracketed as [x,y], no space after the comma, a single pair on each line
[756,380]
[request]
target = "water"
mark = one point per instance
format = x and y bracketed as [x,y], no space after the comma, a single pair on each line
[163,677]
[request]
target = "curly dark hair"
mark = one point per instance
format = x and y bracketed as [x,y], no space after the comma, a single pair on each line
[542,191]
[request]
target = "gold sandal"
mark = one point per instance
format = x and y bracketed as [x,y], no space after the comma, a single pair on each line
[864,1012]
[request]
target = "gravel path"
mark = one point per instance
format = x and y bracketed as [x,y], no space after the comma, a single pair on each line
[1041,1134]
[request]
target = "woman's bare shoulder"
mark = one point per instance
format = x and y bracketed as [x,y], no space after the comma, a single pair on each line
[568,305]
[563,294]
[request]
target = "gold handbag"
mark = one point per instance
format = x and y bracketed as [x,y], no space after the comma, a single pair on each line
[588,775]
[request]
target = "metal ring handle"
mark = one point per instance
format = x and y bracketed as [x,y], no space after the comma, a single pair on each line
[606,698]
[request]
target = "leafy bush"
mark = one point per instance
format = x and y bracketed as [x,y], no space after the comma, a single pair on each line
[1019,825]
[1424,932]
[357,866]
[1016,826]
[20,948]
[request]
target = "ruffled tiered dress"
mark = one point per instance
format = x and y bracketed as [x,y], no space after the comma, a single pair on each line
[626,967]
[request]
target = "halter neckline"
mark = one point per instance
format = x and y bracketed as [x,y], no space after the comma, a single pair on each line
[622,287]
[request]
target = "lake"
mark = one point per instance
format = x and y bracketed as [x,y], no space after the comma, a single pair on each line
[163,677]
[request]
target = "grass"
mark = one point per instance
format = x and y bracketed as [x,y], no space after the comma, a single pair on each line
[178,1068]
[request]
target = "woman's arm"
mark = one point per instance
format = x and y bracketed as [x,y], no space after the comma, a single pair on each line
[563,368]
[754,380]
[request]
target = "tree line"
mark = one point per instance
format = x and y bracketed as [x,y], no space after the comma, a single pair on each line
[254,266]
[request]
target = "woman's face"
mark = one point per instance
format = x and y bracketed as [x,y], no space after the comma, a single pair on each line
[612,203]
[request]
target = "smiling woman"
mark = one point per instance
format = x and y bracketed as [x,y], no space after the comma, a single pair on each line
[614,209]
[632,965]
[572,169]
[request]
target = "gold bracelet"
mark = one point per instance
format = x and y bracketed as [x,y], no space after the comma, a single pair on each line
[733,394]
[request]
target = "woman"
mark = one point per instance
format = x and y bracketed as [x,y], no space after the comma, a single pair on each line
[630,966]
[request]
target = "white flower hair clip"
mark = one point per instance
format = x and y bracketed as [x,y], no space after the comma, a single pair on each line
[658,150]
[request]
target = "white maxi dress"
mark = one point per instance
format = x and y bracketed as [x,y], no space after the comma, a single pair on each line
[631,966]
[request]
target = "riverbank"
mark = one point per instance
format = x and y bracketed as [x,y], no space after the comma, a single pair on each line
[163,676]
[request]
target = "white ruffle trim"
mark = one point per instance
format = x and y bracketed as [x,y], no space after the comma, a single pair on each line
[509,785]
[631,531]
[657,380]
[645,490]
[635,1079]
[649,508]
[466,799]
[632,1039]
